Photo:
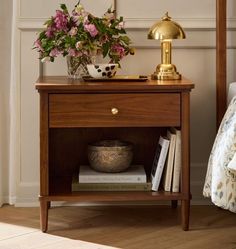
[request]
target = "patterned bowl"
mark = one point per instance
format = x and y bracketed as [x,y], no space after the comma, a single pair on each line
[110,155]
[102,70]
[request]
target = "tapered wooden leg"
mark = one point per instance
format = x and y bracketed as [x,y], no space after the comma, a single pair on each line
[185,206]
[174,203]
[44,215]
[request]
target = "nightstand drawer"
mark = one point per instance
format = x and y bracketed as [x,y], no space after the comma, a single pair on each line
[114,110]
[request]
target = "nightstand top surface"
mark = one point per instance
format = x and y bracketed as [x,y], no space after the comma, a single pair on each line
[63,83]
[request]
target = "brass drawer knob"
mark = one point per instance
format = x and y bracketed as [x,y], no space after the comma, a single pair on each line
[114,111]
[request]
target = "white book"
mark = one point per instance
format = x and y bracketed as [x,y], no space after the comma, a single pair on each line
[177,161]
[134,174]
[167,179]
[159,162]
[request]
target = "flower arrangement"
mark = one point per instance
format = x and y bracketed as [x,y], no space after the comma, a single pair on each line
[83,35]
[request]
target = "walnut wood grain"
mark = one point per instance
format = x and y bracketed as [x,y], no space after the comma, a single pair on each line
[44,144]
[95,110]
[56,84]
[74,114]
[115,196]
[44,165]
[221,54]
[44,214]
[185,176]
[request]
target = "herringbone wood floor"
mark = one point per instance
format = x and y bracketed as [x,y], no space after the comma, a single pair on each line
[133,227]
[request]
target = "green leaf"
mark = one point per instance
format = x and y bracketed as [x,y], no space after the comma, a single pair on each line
[125,39]
[42,35]
[122,31]
[105,47]
[48,22]
[64,8]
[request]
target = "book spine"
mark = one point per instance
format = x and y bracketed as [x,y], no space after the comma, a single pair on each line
[113,179]
[177,163]
[111,187]
[170,162]
[157,179]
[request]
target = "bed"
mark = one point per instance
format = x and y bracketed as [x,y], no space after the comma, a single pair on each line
[220,182]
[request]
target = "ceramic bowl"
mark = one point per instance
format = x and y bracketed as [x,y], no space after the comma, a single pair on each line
[102,70]
[110,155]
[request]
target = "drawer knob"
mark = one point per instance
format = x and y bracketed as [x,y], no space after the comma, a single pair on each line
[114,111]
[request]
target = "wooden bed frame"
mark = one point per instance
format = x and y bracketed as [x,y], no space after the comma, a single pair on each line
[221,53]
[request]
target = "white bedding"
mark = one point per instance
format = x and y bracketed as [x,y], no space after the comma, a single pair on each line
[231,92]
[220,182]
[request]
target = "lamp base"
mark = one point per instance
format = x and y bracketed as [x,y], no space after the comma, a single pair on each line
[166,72]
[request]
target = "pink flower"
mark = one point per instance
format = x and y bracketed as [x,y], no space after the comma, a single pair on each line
[61,20]
[73,31]
[72,52]
[38,45]
[104,39]
[54,52]
[80,15]
[50,32]
[119,50]
[91,28]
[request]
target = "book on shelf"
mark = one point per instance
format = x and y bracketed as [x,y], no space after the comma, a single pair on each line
[134,174]
[76,186]
[159,162]
[168,171]
[177,161]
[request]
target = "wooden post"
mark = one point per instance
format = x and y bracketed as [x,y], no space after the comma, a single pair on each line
[221,67]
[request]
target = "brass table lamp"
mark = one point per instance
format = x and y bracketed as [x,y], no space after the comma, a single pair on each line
[166,30]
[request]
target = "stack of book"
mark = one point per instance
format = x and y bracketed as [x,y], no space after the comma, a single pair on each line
[134,179]
[166,166]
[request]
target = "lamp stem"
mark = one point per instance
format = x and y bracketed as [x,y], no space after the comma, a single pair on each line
[166,52]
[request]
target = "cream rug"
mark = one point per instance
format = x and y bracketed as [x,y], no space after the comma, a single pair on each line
[19,237]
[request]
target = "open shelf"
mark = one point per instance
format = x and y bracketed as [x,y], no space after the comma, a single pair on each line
[68,150]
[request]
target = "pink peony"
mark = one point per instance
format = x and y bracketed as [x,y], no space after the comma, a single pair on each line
[54,52]
[61,20]
[119,50]
[72,52]
[91,28]
[50,32]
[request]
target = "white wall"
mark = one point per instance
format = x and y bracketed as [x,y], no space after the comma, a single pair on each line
[194,58]
[5,68]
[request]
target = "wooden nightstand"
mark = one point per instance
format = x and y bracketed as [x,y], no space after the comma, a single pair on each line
[73,114]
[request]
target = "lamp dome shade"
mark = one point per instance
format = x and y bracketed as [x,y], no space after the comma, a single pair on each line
[166,29]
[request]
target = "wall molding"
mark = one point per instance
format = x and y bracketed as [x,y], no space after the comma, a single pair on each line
[138,23]
[186,23]
[138,35]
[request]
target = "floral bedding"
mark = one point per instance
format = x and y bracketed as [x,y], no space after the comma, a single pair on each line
[220,182]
